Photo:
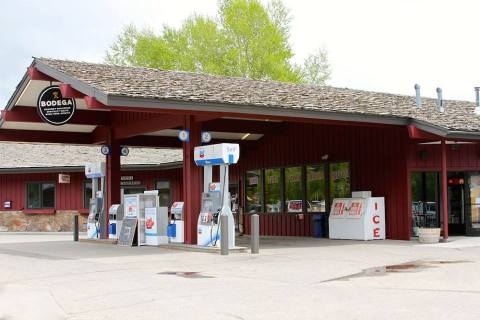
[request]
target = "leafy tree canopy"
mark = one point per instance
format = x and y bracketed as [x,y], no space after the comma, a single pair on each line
[246,39]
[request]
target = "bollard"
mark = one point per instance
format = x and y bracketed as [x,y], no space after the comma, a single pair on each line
[255,233]
[224,235]
[75,227]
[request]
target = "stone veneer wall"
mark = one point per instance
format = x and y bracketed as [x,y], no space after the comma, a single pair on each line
[62,220]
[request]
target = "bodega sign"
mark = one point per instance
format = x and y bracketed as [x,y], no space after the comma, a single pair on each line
[53,108]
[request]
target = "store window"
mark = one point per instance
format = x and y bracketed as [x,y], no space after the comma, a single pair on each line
[339,174]
[164,193]
[87,193]
[253,188]
[474,199]
[425,211]
[273,199]
[316,188]
[132,190]
[40,195]
[293,189]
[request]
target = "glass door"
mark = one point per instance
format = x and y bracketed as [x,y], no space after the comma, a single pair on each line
[472,207]
[456,203]
[425,199]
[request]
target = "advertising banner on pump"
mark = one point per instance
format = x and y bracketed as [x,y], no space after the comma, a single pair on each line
[131,206]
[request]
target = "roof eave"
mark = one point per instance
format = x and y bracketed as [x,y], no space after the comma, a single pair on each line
[171,104]
[73,82]
[444,133]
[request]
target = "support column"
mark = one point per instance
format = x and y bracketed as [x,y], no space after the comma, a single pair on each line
[192,181]
[113,177]
[444,185]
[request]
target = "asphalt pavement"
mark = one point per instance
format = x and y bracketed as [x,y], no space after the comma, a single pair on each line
[48,276]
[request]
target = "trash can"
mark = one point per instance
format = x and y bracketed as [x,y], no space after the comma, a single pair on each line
[318,225]
[172,230]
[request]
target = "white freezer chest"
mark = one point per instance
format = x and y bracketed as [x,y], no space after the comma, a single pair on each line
[357,219]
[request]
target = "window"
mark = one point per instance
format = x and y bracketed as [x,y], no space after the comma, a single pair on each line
[87,193]
[40,195]
[273,199]
[424,200]
[316,188]
[474,199]
[132,190]
[293,189]
[253,188]
[339,180]
[163,188]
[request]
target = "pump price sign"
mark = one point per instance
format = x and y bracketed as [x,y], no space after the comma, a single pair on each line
[53,108]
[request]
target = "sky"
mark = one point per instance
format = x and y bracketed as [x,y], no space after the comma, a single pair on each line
[374,45]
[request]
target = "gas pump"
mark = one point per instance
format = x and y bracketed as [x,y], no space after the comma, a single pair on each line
[96,215]
[215,196]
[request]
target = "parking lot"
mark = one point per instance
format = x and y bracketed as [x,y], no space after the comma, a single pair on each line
[48,276]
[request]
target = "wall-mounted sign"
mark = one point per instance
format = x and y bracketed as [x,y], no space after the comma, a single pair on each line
[184,135]
[126,178]
[7,204]
[63,178]
[53,108]
[206,137]
[131,183]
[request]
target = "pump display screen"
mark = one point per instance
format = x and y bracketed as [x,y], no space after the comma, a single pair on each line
[208,205]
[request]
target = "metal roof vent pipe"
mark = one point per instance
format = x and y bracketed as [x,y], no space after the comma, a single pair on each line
[418,98]
[439,100]
[477,100]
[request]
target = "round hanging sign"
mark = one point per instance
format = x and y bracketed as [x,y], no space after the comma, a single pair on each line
[53,108]
[184,135]
[124,151]
[105,150]
[206,137]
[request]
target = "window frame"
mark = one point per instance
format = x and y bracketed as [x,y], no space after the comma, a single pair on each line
[261,191]
[169,189]
[282,188]
[41,182]
[326,175]
[329,179]
[302,188]
[84,187]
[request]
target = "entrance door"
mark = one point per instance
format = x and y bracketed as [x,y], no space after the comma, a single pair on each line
[456,203]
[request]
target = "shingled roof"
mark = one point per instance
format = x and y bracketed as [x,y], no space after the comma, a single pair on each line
[28,155]
[186,87]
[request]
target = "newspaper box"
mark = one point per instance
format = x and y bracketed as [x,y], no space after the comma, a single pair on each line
[357,218]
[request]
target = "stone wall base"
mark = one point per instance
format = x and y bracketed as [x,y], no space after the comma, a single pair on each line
[62,220]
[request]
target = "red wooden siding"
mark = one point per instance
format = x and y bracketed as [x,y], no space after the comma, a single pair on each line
[460,157]
[70,196]
[378,160]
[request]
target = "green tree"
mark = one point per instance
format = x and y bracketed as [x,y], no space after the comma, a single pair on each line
[316,70]
[247,39]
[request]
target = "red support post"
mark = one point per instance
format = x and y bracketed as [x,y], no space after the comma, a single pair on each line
[192,181]
[113,177]
[444,191]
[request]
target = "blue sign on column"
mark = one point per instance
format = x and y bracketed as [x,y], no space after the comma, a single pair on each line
[184,135]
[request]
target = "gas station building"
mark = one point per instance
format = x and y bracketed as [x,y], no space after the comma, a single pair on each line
[300,147]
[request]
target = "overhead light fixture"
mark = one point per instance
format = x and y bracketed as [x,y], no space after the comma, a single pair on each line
[245,136]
